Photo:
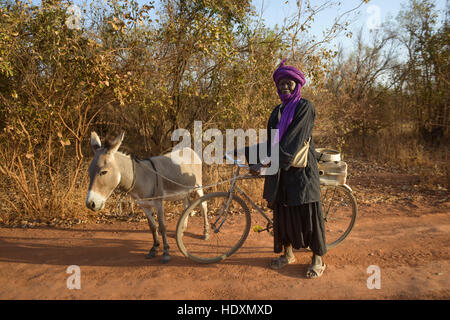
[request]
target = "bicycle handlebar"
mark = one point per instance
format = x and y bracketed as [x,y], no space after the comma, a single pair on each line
[236,161]
[239,164]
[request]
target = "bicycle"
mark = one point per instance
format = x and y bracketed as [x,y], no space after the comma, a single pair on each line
[229,219]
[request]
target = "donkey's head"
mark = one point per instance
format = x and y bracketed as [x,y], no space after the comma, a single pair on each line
[104,171]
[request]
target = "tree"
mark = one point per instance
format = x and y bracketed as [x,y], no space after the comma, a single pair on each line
[425,76]
[359,84]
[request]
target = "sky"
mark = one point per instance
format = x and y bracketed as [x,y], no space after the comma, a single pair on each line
[370,15]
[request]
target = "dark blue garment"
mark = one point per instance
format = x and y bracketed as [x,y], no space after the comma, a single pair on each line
[294,193]
[301,226]
[300,185]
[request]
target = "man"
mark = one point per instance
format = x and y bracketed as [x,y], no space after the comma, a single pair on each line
[294,191]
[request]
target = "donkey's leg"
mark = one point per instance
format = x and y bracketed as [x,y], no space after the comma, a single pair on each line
[162,230]
[186,204]
[152,224]
[204,210]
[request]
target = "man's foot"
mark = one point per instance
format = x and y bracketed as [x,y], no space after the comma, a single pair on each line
[316,269]
[281,261]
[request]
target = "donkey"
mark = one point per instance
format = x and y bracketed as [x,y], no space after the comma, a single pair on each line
[156,177]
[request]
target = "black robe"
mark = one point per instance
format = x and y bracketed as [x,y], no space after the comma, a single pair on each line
[300,185]
[294,193]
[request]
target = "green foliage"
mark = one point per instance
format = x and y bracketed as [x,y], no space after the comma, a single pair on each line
[150,69]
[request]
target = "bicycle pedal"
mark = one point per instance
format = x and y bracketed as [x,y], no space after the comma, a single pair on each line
[258,228]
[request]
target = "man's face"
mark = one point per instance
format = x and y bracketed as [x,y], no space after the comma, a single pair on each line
[286,86]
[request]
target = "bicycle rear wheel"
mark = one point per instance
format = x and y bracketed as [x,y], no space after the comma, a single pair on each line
[339,213]
[227,226]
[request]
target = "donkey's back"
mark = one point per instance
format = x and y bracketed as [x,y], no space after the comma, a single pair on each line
[177,174]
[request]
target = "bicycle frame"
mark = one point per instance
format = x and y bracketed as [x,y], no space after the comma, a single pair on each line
[227,200]
[234,187]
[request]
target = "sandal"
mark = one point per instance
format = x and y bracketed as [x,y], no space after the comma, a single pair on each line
[280,262]
[315,271]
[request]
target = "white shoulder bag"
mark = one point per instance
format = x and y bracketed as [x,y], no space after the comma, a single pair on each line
[301,157]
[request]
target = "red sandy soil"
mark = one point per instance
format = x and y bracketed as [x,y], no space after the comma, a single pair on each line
[402,227]
[409,243]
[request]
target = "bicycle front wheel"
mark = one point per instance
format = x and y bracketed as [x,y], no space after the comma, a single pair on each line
[339,213]
[213,227]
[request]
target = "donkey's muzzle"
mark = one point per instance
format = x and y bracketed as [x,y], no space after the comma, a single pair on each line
[95,206]
[91,205]
[94,201]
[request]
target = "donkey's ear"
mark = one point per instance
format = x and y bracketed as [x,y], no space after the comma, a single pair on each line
[115,144]
[95,141]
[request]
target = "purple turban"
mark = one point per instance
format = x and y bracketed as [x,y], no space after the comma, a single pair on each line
[290,101]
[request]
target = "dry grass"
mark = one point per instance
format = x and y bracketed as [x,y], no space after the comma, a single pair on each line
[396,153]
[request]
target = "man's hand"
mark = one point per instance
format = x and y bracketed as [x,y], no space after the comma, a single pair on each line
[255,169]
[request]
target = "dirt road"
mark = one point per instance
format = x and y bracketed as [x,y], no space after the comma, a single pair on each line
[408,243]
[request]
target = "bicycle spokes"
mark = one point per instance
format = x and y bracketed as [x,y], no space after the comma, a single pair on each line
[327,201]
[217,229]
[339,213]
[221,217]
[227,218]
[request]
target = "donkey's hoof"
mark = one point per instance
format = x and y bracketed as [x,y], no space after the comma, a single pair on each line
[165,258]
[152,253]
[205,236]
